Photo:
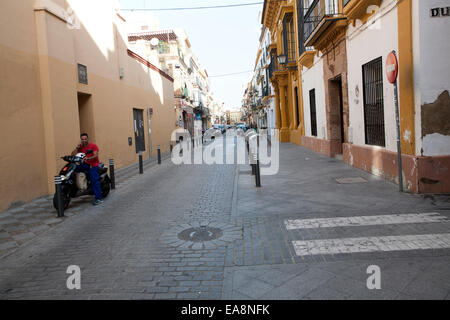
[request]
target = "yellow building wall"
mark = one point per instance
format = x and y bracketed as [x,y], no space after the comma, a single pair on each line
[21,122]
[39,115]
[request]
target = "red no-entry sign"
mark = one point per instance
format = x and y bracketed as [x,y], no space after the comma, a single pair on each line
[392,67]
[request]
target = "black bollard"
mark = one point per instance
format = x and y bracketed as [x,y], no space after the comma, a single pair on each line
[258,174]
[171,148]
[141,163]
[59,200]
[159,155]
[112,174]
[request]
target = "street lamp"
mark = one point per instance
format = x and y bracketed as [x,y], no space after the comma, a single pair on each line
[282,59]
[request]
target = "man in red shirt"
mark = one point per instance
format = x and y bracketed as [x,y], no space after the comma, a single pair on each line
[91,164]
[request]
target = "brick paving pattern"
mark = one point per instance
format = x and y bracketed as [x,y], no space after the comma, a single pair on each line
[205,232]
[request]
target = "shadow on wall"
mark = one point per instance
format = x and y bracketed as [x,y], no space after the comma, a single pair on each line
[107,99]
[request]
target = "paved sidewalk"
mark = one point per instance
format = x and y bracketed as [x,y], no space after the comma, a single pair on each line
[312,230]
[23,223]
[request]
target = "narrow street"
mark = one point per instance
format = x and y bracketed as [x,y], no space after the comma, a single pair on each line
[206,232]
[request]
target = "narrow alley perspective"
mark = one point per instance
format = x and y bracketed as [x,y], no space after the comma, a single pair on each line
[157,150]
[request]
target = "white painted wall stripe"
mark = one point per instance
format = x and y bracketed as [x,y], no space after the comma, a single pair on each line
[372,244]
[364,220]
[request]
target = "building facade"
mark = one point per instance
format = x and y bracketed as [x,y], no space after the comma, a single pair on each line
[171,51]
[67,70]
[347,104]
[281,19]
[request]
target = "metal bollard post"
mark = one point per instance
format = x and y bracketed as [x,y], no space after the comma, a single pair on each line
[171,147]
[257,172]
[141,163]
[59,200]
[159,155]
[112,174]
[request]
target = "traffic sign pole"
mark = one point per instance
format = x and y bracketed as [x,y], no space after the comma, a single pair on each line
[392,74]
[399,145]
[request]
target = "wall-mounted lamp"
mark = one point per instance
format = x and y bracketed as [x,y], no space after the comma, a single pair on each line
[282,59]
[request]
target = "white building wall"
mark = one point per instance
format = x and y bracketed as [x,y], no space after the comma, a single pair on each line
[313,79]
[377,38]
[431,47]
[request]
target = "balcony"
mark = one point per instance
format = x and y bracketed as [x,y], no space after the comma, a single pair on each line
[274,66]
[323,18]
[307,57]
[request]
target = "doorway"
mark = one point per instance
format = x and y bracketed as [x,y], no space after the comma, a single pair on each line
[336,113]
[139,136]
[86,115]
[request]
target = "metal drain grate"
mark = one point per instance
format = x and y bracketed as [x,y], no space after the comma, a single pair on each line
[200,234]
[351,180]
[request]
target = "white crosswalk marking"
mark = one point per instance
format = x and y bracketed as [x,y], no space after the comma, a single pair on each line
[364,220]
[372,244]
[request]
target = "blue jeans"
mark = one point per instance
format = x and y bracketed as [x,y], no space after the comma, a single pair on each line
[95,179]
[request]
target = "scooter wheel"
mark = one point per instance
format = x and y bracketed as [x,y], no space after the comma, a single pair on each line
[106,188]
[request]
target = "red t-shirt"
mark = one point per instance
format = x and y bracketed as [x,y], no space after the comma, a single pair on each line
[92,146]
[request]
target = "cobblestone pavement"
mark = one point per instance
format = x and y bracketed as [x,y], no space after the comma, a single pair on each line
[308,235]
[205,232]
[24,222]
[125,247]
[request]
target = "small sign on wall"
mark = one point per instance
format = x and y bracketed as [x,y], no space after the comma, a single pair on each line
[440,12]
[82,74]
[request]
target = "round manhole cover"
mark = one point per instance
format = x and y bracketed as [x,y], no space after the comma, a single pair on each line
[200,234]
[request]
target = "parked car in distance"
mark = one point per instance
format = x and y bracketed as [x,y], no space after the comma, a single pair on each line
[241,126]
[220,127]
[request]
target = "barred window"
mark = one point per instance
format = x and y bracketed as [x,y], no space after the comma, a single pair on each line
[289,38]
[373,102]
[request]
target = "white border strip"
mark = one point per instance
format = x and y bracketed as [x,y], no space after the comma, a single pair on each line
[372,244]
[364,221]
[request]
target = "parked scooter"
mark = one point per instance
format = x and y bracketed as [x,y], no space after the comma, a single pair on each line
[77,184]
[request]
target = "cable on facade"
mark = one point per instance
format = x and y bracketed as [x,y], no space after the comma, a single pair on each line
[230,74]
[195,8]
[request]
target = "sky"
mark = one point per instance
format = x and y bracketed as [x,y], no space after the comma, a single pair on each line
[225,40]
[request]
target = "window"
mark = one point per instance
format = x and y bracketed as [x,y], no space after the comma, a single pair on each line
[289,38]
[373,102]
[312,106]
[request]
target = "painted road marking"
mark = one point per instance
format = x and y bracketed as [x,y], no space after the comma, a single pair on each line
[364,220]
[372,244]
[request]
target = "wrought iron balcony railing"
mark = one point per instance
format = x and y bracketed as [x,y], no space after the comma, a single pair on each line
[318,11]
[274,66]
